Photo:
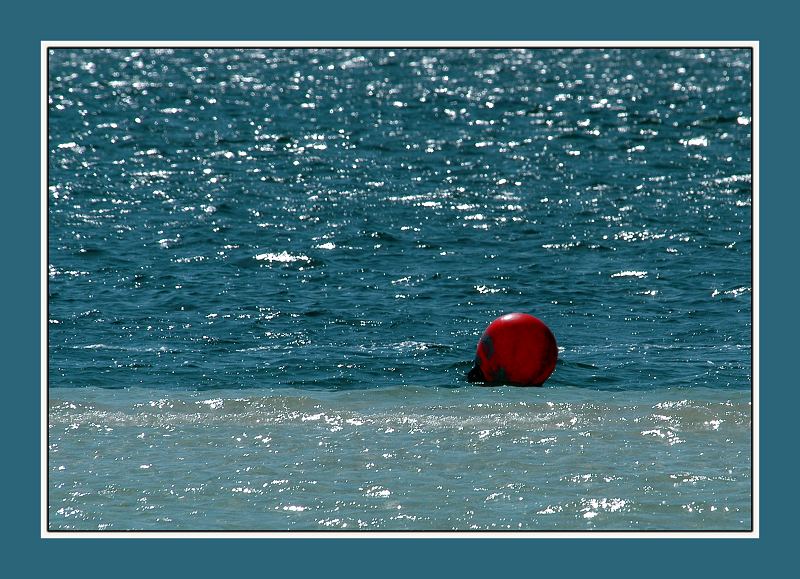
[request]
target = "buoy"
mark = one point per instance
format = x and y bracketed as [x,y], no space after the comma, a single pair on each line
[516,349]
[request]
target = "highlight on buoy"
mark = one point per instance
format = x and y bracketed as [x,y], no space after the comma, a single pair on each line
[516,349]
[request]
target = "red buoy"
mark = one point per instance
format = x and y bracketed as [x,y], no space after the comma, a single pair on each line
[515,349]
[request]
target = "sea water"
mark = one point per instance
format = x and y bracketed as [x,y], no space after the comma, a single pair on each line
[268,270]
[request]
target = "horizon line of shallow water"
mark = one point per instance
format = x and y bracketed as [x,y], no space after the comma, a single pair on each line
[410,407]
[459,382]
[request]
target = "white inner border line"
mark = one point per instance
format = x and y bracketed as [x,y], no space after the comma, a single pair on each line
[532,534]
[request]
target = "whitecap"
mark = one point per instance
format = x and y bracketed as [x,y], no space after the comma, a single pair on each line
[733,293]
[487,290]
[639,274]
[695,142]
[282,257]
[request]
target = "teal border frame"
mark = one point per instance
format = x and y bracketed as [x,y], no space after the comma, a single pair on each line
[24,29]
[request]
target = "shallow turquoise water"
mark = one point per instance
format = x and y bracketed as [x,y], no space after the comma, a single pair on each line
[268,271]
[400,458]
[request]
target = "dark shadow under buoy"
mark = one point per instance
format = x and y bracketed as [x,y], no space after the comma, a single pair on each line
[516,349]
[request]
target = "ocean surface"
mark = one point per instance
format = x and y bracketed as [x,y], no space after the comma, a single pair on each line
[268,270]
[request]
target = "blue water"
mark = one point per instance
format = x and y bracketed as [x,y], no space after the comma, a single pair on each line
[268,270]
